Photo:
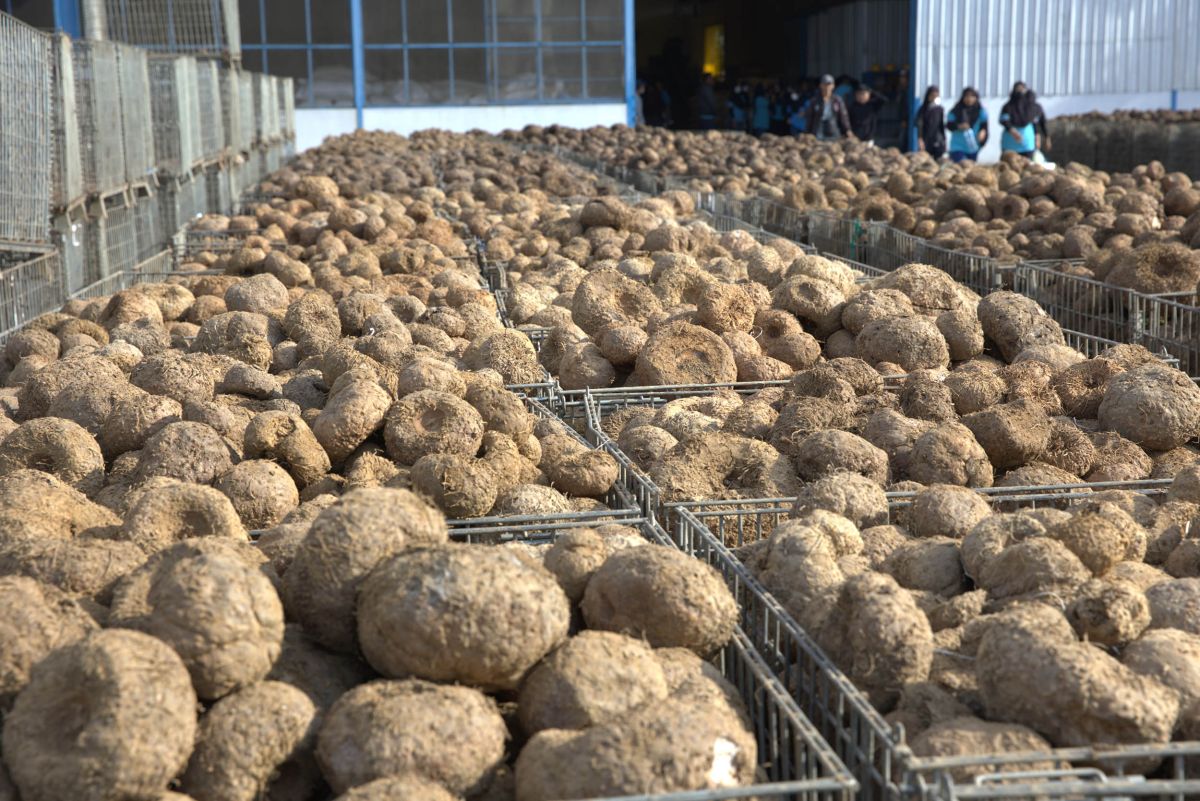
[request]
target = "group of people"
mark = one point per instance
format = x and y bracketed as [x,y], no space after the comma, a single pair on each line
[1022,119]
[841,108]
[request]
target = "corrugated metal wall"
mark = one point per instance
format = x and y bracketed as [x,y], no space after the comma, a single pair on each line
[854,37]
[1059,47]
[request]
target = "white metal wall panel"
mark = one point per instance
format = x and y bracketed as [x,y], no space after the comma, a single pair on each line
[854,37]
[1059,47]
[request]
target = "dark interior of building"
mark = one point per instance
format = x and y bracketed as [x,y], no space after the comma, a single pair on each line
[775,45]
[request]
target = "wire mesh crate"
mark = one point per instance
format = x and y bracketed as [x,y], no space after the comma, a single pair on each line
[137,128]
[219,198]
[67,183]
[287,107]
[211,110]
[113,243]
[174,109]
[249,130]
[70,237]
[231,109]
[151,238]
[26,134]
[875,752]
[97,98]
[31,284]
[209,27]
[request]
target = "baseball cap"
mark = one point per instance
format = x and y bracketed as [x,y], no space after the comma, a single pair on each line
[826,79]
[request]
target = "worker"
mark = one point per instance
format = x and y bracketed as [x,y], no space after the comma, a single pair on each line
[968,126]
[827,117]
[1024,123]
[931,134]
[706,104]
[864,113]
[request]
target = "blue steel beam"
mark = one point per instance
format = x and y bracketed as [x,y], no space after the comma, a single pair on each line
[630,66]
[66,17]
[356,41]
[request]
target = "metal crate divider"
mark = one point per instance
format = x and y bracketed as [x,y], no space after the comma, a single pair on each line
[26,134]
[173,84]
[31,284]
[212,110]
[137,129]
[67,187]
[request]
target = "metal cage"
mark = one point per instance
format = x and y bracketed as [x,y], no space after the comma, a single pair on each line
[231,109]
[248,128]
[137,128]
[151,238]
[287,108]
[97,98]
[31,284]
[113,238]
[174,109]
[26,134]
[218,190]
[209,27]
[211,120]
[67,186]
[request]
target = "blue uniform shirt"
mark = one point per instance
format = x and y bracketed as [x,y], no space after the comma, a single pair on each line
[959,141]
[1027,141]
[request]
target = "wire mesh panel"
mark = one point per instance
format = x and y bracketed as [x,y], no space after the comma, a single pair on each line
[231,109]
[148,224]
[248,131]
[71,235]
[137,130]
[261,88]
[210,122]
[173,89]
[30,285]
[26,133]
[218,190]
[97,99]
[67,185]
[178,26]
[287,107]
[114,246]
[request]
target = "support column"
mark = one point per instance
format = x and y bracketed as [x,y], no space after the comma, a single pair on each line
[66,18]
[360,78]
[630,65]
[95,19]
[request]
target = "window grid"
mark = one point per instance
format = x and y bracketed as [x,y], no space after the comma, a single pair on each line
[504,80]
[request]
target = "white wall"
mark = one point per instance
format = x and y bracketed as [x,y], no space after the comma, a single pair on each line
[1072,104]
[313,125]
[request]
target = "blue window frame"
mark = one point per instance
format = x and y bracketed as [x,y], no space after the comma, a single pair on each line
[436,52]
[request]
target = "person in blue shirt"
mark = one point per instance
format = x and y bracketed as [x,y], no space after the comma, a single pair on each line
[762,111]
[1024,123]
[968,126]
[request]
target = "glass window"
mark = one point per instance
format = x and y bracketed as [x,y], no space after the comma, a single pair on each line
[383,21]
[333,78]
[429,76]
[286,23]
[330,18]
[251,23]
[562,71]
[560,21]
[385,77]
[470,21]
[427,23]
[605,20]
[516,73]
[470,74]
[252,60]
[606,73]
